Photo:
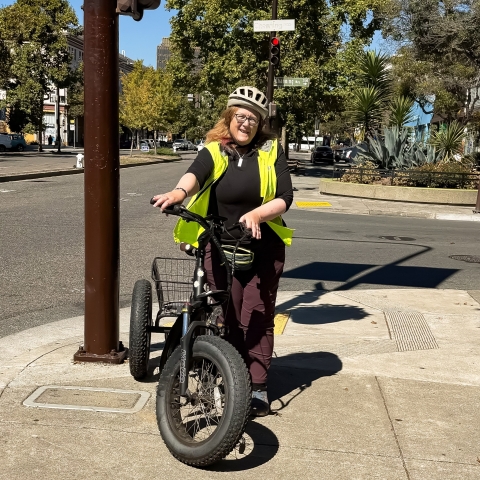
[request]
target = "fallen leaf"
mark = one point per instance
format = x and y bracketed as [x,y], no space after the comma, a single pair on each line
[373,322]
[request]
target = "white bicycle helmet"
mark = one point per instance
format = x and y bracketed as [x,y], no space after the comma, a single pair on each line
[250,97]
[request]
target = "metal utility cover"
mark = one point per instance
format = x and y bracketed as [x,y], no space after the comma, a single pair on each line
[312,204]
[87,398]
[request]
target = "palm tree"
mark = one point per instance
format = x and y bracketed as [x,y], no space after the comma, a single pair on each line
[448,141]
[374,71]
[401,111]
[367,108]
[370,100]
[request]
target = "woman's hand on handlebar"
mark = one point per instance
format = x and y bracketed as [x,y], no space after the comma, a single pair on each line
[164,200]
[252,221]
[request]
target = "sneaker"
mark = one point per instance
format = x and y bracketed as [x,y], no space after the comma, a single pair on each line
[260,405]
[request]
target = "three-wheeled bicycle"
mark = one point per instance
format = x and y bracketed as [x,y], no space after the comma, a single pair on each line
[204,390]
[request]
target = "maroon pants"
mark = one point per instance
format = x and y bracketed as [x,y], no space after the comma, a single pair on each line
[251,310]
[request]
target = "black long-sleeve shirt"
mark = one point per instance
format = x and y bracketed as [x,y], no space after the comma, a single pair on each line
[238,191]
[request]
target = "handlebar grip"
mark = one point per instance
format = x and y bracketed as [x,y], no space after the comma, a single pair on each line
[173,210]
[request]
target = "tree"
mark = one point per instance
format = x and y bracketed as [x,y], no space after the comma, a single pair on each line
[133,100]
[401,111]
[439,54]
[231,54]
[370,99]
[162,101]
[35,33]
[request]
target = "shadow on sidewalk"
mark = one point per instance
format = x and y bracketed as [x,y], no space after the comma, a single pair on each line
[291,375]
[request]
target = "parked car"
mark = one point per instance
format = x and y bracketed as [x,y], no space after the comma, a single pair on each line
[322,154]
[200,144]
[183,144]
[149,141]
[165,144]
[18,142]
[343,154]
[5,142]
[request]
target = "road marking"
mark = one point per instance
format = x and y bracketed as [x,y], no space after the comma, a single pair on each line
[281,320]
[6,191]
[312,204]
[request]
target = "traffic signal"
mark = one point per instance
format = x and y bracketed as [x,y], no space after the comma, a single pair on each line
[135,8]
[275,51]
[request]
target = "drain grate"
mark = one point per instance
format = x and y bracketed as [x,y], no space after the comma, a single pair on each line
[410,330]
[466,258]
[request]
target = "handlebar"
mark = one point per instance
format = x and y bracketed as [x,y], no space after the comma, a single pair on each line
[181,211]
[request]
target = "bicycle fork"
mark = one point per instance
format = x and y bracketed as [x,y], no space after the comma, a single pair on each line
[184,350]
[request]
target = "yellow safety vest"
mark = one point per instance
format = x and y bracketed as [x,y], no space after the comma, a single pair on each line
[189,232]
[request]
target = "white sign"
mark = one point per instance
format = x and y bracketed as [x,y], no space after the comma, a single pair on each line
[145,148]
[72,127]
[273,25]
[317,133]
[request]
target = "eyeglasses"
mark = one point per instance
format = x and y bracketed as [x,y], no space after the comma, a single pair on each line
[241,119]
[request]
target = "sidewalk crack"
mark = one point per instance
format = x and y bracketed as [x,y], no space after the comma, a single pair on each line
[393,428]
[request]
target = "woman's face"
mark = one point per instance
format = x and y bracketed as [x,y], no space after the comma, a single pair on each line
[244,125]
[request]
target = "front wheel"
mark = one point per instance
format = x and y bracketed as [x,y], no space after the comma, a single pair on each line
[205,427]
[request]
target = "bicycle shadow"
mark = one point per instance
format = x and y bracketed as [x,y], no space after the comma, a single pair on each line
[261,445]
[289,377]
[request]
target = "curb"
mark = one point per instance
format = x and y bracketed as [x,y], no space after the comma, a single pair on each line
[437,196]
[74,171]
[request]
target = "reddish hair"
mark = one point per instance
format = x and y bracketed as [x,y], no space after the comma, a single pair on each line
[221,131]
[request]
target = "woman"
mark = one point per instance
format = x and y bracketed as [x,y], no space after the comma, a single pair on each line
[242,174]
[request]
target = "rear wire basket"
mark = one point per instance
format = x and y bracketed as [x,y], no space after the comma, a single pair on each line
[173,282]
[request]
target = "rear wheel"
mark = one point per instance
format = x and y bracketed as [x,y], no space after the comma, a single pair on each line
[140,335]
[205,427]
[2,148]
[20,148]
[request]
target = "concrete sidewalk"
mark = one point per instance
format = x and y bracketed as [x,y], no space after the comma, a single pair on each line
[365,384]
[307,194]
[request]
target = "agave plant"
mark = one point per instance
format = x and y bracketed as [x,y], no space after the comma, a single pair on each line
[401,111]
[448,141]
[395,150]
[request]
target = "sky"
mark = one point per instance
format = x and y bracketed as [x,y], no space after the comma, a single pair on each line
[139,40]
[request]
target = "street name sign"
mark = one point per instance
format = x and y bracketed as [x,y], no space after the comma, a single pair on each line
[273,25]
[291,82]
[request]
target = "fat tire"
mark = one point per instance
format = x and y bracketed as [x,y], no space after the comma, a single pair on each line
[237,406]
[140,320]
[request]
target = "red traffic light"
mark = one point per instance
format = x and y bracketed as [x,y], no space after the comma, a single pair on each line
[274,51]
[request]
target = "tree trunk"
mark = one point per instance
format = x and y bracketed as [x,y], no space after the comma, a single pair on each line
[155,140]
[138,139]
[131,145]
[40,132]
[284,141]
[59,134]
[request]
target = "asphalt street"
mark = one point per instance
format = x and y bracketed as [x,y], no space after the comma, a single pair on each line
[42,254]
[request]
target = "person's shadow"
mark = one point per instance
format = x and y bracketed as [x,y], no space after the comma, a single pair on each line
[290,375]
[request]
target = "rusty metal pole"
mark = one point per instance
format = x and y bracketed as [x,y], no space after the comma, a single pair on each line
[102,223]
